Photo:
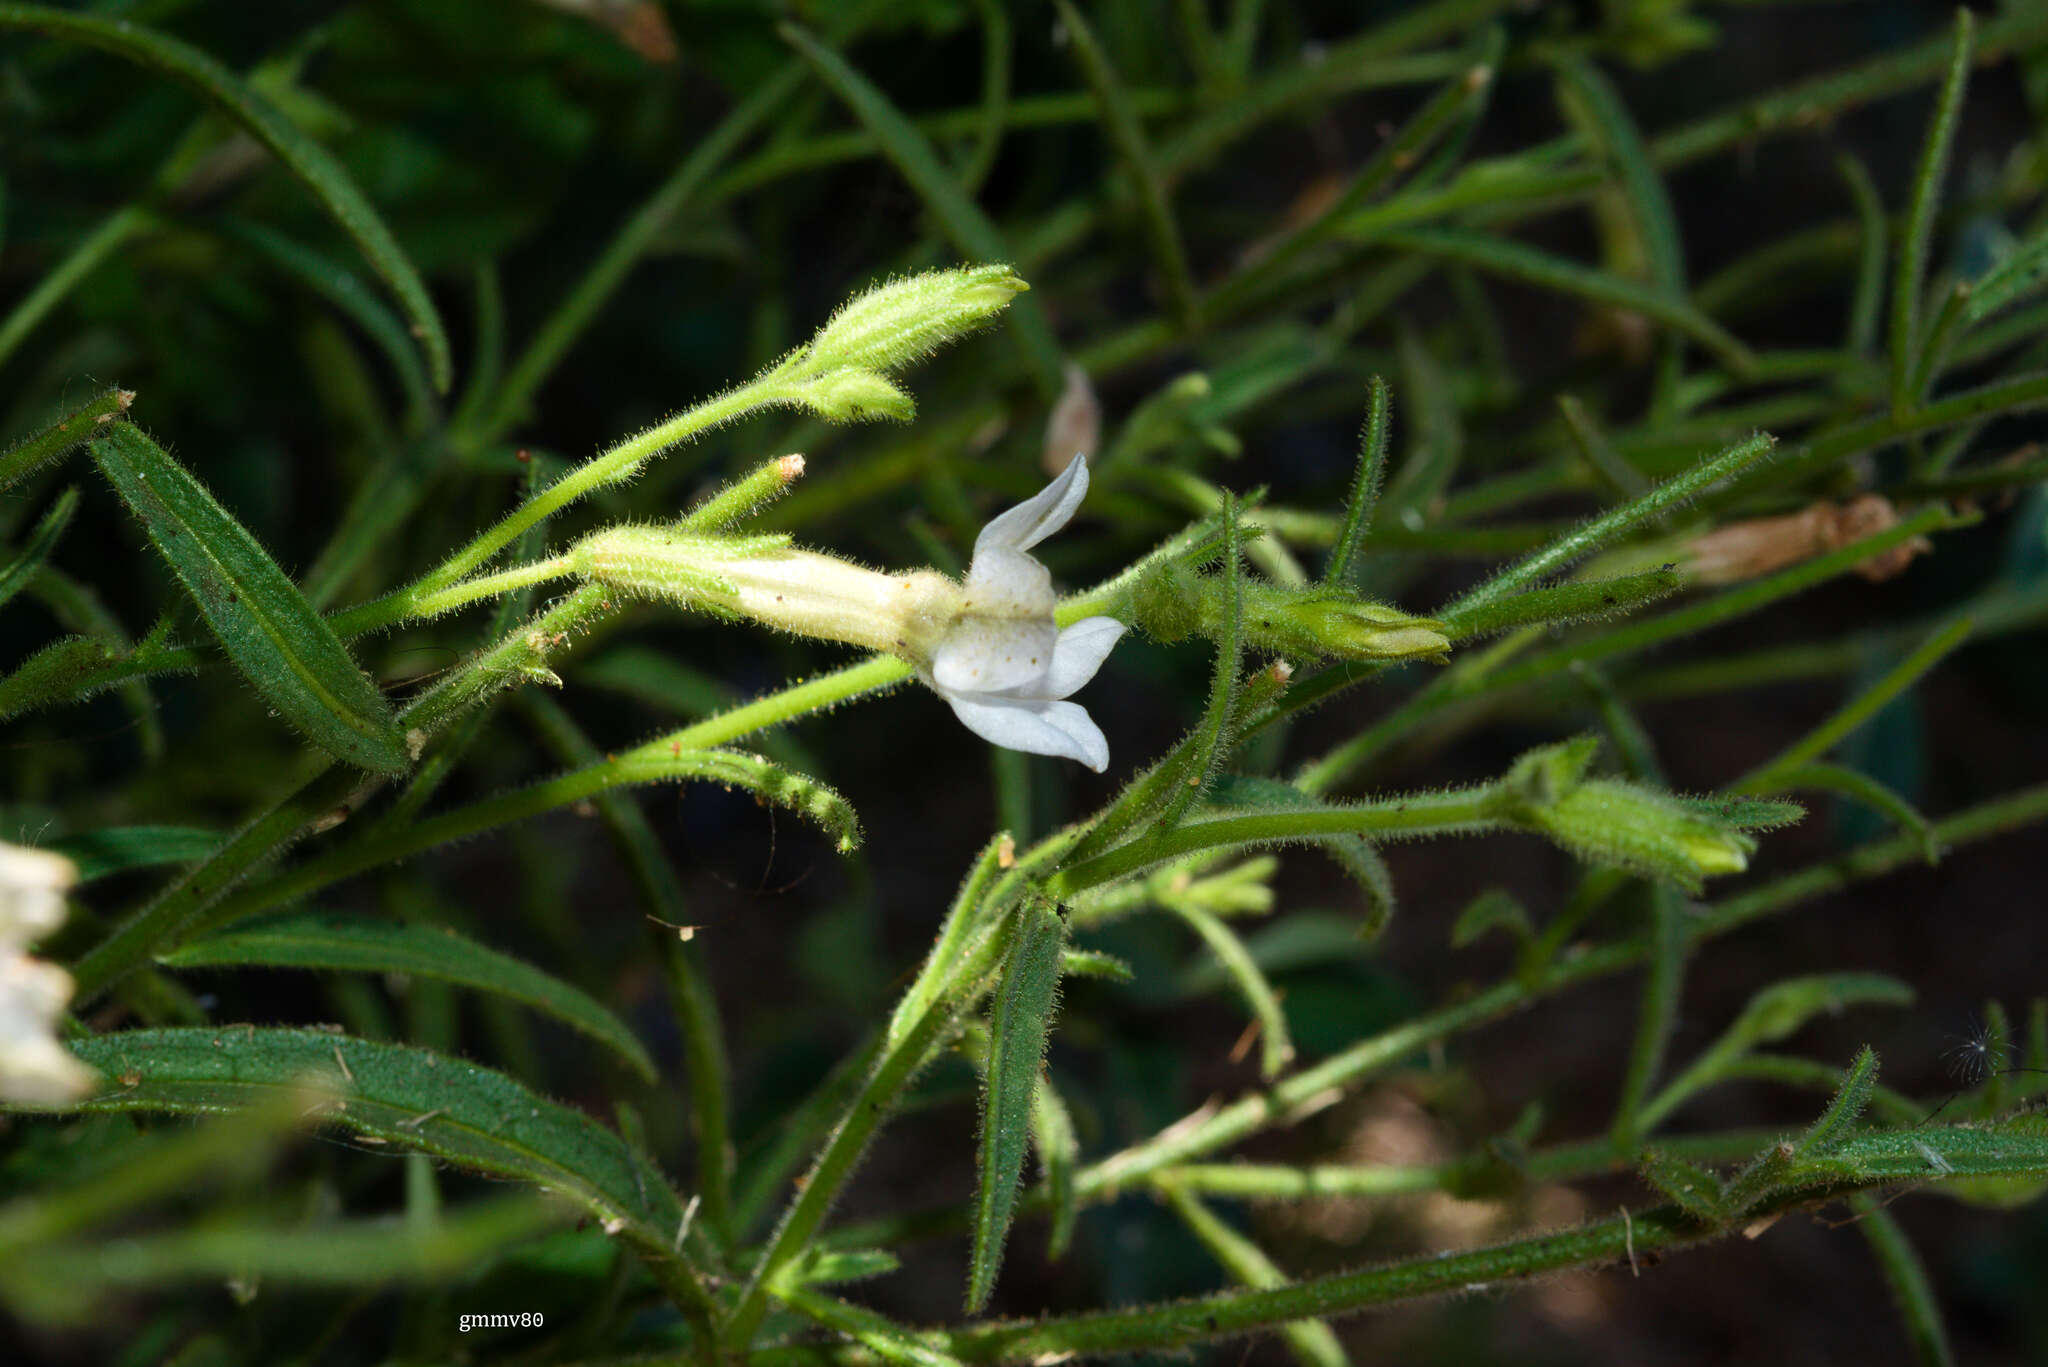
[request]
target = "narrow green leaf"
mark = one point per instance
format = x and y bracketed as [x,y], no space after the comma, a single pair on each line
[315,167]
[1093,963]
[1276,1046]
[1859,709]
[1874,232]
[1354,854]
[1362,862]
[1025,999]
[1932,352]
[112,234]
[1515,261]
[1844,1110]
[32,453]
[972,232]
[2023,271]
[121,849]
[1614,524]
[59,1281]
[1494,909]
[1860,788]
[413,1099]
[884,1337]
[1600,112]
[834,1267]
[1695,1190]
[1621,144]
[357,944]
[1904,1274]
[1657,1017]
[2012,1148]
[1059,1154]
[16,573]
[1563,603]
[1127,135]
[1210,742]
[1436,444]
[1459,99]
[1608,465]
[1774,1014]
[656,761]
[1340,571]
[996,44]
[1910,269]
[346,291]
[263,622]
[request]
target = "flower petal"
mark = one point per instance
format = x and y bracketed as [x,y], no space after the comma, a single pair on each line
[1079,652]
[1039,516]
[1063,729]
[985,654]
[1008,583]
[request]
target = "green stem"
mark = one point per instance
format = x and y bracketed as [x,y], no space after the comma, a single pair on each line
[616,463]
[434,602]
[1467,809]
[30,454]
[1467,686]
[1860,709]
[1903,1272]
[94,248]
[900,1062]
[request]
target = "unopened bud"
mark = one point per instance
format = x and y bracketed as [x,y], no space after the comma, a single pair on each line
[1624,824]
[854,395]
[745,496]
[907,319]
[1324,622]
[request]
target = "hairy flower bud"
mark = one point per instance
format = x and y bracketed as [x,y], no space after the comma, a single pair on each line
[905,320]
[1611,821]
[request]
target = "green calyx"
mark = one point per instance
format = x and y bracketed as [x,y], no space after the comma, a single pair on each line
[1613,821]
[1311,621]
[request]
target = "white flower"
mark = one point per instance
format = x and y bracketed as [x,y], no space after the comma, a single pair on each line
[989,646]
[1002,663]
[34,1068]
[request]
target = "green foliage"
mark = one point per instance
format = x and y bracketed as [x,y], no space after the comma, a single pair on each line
[262,621]
[526,794]
[355,945]
[1022,1021]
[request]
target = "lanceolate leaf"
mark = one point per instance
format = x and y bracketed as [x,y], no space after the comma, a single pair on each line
[264,623]
[119,849]
[397,1095]
[1023,1018]
[303,157]
[358,944]
[15,574]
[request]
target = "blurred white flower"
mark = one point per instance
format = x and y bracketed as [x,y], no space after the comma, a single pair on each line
[34,1068]
[1002,663]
